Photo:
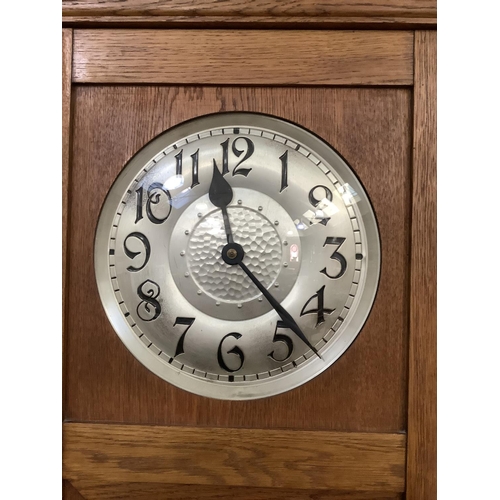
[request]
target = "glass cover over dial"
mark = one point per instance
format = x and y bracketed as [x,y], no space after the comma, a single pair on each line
[237,255]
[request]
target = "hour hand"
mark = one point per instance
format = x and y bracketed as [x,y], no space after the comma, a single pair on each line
[221,195]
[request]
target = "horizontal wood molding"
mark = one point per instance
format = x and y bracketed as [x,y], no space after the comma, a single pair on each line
[407,8]
[377,12]
[98,454]
[161,491]
[253,22]
[250,57]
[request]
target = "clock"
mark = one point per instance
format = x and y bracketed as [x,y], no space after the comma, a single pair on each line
[237,255]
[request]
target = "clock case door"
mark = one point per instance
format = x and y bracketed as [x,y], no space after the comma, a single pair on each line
[129,434]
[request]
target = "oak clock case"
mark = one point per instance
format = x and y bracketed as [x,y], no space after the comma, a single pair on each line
[237,256]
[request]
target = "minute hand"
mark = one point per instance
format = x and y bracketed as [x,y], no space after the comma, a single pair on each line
[283,314]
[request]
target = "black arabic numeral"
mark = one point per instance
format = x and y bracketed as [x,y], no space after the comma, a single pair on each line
[132,255]
[187,322]
[320,310]
[138,207]
[238,152]
[194,166]
[225,156]
[332,240]
[278,337]
[154,198]
[149,308]
[284,171]
[235,350]
[178,163]
[250,148]
[315,202]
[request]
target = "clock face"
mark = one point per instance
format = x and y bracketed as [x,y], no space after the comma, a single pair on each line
[237,256]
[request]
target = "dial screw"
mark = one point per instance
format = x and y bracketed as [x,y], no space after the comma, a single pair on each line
[240,306]
[217,303]
[186,274]
[199,292]
[276,222]
[276,285]
[199,214]
[232,253]
[260,209]
[239,202]
[285,264]
[260,299]
[285,243]
[183,253]
[186,231]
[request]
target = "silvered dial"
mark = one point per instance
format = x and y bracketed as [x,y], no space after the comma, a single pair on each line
[237,256]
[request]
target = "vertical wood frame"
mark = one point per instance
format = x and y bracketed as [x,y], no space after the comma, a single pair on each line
[67,64]
[422,391]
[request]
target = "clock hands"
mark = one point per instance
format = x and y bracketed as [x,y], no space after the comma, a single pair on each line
[282,313]
[221,194]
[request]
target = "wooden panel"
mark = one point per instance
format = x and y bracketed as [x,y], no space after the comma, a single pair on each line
[366,389]
[69,492]
[423,323]
[160,491]
[243,57]
[236,457]
[376,9]
[67,48]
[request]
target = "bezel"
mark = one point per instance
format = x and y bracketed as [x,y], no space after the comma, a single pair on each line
[309,368]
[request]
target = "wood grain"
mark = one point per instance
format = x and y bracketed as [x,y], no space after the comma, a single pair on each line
[241,8]
[161,491]
[248,57]
[106,453]
[67,49]
[423,315]
[69,492]
[366,389]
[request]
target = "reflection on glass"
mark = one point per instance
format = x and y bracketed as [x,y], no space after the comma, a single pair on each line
[174,182]
[323,212]
[180,199]
[300,225]
[348,194]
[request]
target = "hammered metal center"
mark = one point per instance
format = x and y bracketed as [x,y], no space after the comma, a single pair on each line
[263,254]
